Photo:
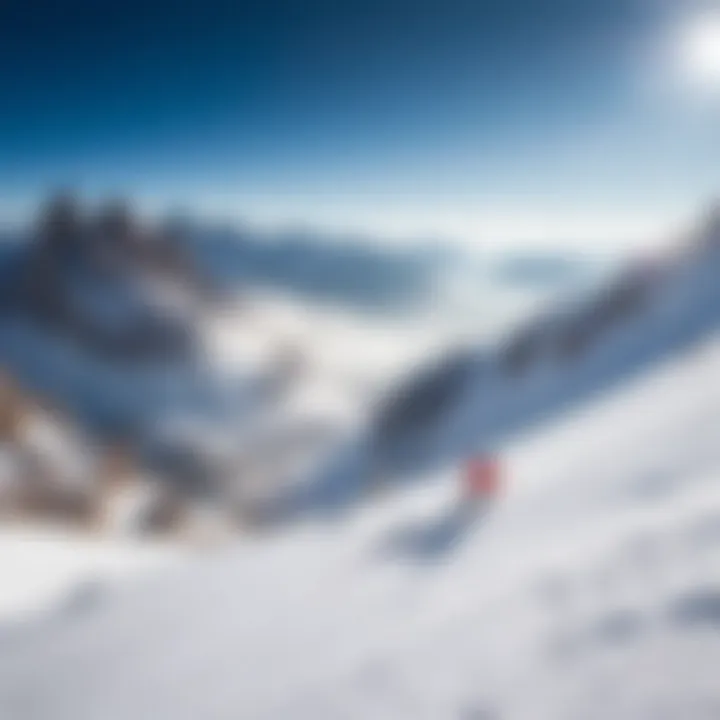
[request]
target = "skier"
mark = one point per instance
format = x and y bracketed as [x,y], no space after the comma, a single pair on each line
[481,480]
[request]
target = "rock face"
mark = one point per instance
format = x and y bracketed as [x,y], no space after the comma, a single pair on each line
[95,308]
[50,470]
[112,286]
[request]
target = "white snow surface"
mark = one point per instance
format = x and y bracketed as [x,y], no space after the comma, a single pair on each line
[591,589]
[42,568]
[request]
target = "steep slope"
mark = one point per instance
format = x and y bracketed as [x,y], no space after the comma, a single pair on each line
[479,402]
[586,592]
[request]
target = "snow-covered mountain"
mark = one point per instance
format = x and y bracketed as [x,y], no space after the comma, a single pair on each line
[254,400]
[474,402]
[344,271]
[216,352]
[589,590]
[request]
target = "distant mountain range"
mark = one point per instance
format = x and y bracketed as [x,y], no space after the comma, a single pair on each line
[364,274]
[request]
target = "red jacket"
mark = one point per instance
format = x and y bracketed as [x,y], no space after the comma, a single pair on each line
[482,477]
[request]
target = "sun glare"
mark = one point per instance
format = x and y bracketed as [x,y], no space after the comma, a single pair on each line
[700,51]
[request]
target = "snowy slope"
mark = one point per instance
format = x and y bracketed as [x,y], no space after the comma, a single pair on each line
[590,591]
[43,568]
[677,306]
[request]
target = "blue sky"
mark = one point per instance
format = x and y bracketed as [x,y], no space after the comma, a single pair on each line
[511,120]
